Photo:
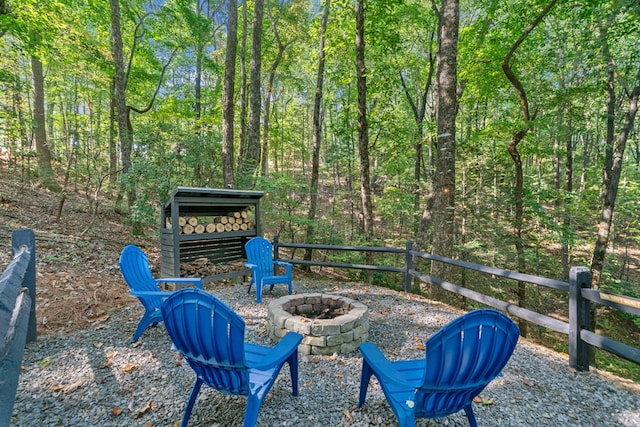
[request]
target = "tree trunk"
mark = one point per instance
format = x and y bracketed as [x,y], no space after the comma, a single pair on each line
[363,128]
[317,135]
[227,96]
[611,180]
[122,112]
[45,170]
[446,113]
[267,99]
[518,136]
[242,146]
[113,151]
[252,159]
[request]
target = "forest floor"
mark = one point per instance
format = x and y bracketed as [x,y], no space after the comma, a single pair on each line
[78,278]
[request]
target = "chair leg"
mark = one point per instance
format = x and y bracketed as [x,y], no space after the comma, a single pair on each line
[364,382]
[192,399]
[293,369]
[143,324]
[259,293]
[251,412]
[470,416]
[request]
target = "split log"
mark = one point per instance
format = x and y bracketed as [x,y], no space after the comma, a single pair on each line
[193,221]
[211,228]
[187,229]
[219,227]
[199,229]
[182,221]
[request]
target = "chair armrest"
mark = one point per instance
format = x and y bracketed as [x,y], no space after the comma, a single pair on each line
[282,263]
[195,280]
[288,266]
[280,352]
[161,294]
[382,368]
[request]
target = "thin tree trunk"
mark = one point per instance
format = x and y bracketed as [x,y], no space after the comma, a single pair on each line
[122,113]
[363,128]
[227,96]
[517,159]
[317,134]
[242,148]
[45,170]
[611,180]
[252,160]
[267,99]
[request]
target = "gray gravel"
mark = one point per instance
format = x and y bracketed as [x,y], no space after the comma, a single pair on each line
[96,378]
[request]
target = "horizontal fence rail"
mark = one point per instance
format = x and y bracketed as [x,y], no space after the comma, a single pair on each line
[580,338]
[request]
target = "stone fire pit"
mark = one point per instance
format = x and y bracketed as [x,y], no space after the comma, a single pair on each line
[329,323]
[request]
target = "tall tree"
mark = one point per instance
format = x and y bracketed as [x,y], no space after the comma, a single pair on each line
[363,127]
[317,133]
[252,160]
[45,170]
[125,135]
[614,154]
[444,185]
[516,138]
[282,46]
[227,96]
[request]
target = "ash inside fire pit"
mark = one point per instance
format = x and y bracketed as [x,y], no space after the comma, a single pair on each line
[329,323]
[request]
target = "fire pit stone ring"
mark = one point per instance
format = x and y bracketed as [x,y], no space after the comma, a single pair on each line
[328,323]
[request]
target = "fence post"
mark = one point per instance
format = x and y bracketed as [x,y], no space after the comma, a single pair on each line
[21,238]
[276,248]
[408,265]
[579,318]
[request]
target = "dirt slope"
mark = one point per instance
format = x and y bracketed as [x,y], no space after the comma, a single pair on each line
[78,281]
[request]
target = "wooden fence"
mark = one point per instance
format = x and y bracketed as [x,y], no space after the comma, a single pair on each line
[580,296]
[17,316]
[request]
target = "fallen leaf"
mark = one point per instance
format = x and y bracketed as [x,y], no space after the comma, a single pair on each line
[347,414]
[102,318]
[146,408]
[98,344]
[129,367]
[488,401]
[477,399]
[421,347]
[136,344]
[115,411]
[68,388]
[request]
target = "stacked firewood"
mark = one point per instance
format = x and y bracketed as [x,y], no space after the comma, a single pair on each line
[234,221]
[203,267]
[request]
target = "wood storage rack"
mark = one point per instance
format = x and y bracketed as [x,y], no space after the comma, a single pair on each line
[207,223]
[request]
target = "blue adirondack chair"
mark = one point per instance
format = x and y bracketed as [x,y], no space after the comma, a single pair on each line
[134,266]
[210,336]
[461,359]
[260,260]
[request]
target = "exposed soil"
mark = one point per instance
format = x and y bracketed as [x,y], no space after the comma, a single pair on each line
[78,280]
